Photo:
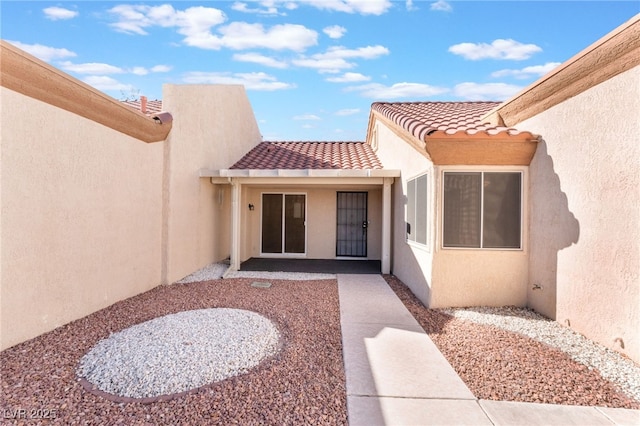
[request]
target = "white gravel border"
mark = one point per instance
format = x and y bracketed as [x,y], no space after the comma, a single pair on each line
[178,352]
[612,365]
[215,271]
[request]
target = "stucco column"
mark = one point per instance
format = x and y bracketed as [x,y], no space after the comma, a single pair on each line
[386,226]
[235,225]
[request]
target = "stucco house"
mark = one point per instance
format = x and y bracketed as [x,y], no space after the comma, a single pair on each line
[528,202]
[545,216]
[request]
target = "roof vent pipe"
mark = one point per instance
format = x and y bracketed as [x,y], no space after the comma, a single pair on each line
[143,104]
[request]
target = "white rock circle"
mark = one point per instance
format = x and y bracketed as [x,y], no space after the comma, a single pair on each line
[178,352]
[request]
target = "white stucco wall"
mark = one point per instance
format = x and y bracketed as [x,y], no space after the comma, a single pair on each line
[81,214]
[410,263]
[90,216]
[474,277]
[447,277]
[585,220]
[213,127]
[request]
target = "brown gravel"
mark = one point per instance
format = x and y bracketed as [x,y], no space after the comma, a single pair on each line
[504,366]
[303,384]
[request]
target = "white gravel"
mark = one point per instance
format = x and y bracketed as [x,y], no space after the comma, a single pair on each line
[611,365]
[219,270]
[213,271]
[178,352]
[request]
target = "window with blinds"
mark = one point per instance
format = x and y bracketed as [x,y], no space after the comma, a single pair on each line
[482,210]
[416,210]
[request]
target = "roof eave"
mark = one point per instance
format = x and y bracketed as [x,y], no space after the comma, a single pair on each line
[399,131]
[28,75]
[515,150]
[613,54]
[299,173]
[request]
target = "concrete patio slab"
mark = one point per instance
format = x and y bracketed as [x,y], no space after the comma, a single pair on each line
[368,299]
[386,352]
[398,362]
[325,266]
[621,416]
[373,411]
[522,413]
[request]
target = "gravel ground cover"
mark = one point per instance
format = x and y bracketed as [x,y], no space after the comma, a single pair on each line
[215,271]
[303,383]
[179,352]
[507,365]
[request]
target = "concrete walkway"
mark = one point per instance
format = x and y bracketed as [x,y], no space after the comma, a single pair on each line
[397,376]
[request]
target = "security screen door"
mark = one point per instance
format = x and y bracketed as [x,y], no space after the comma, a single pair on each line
[283,223]
[351,238]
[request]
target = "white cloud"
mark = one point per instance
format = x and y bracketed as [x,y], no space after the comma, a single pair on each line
[244,8]
[349,77]
[131,19]
[196,23]
[348,111]
[191,22]
[251,81]
[527,72]
[98,68]
[257,58]
[326,65]
[139,71]
[91,68]
[485,92]
[306,117]
[241,35]
[398,90]
[363,7]
[334,59]
[161,68]
[42,52]
[369,52]
[498,49]
[105,83]
[57,13]
[441,6]
[334,31]
[410,6]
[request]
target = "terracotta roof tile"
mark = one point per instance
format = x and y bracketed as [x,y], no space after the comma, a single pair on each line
[309,155]
[153,107]
[443,119]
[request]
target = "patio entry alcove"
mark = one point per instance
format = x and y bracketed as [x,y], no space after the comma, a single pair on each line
[289,215]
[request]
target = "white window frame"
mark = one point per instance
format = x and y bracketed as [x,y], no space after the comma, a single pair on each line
[482,170]
[428,204]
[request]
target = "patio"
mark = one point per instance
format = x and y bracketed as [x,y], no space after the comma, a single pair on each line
[317,266]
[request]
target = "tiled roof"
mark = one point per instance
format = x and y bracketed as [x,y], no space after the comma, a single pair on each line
[444,119]
[153,107]
[309,155]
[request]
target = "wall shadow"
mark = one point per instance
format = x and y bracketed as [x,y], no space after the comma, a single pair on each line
[552,228]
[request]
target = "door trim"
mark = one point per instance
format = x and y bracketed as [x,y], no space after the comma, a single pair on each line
[306,216]
[366,219]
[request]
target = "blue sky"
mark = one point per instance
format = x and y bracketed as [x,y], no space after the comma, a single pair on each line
[312,68]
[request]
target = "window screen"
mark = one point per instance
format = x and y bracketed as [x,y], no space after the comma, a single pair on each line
[411,210]
[417,226]
[482,209]
[501,210]
[421,210]
[462,203]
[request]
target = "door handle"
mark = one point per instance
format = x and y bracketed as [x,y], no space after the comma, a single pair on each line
[365,225]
